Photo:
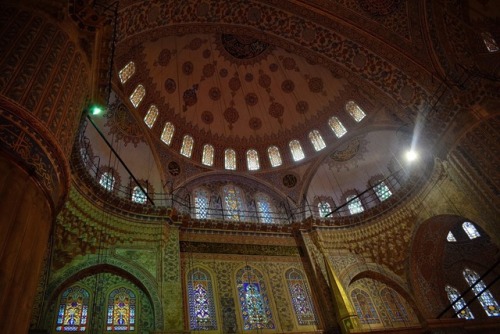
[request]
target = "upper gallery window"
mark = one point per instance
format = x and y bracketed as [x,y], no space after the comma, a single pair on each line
[274,156]
[201,203]
[139,196]
[264,209]
[253,160]
[208,155]
[382,190]
[137,95]
[489,42]
[317,140]
[126,72]
[168,133]
[107,180]
[187,146]
[471,230]
[296,149]
[355,111]
[151,116]
[484,295]
[337,127]
[453,296]
[324,208]
[355,206]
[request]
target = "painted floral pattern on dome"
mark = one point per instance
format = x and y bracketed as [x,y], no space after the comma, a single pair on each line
[207,53]
[273,67]
[379,7]
[195,44]
[276,110]
[223,72]
[190,97]
[231,115]
[244,47]
[164,57]
[315,85]
[289,63]
[234,84]
[249,77]
[208,70]
[264,81]
[170,85]
[123,125]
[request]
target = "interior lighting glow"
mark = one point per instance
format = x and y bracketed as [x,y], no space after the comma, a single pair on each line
[411,155]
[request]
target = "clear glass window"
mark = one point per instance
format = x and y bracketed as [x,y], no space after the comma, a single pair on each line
[453,295]
[355,206]
[317,140]
[230,159]
[324,208]
[138,196]
[296,149]
[355,111]
[337,127]
[471,230]
[107,181]
[253,160]
[168,133]
[137,95]
[274,156]
[208,155]
[151,116]
[488,302]
[187,146]
[382,190]
[126,72]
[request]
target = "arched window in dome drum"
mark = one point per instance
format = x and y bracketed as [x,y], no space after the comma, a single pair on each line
[168,133]
[202,314]
[151,116]
[230,159]
[138,196]
[73,310]
[121,310]
[253,160]
[301,297]
[488,302]
[453,295]
[317,140]
[137,95]
[274,156]
[254,301]
[296,150]
[337,127]
[208,155]
[187,146]
[126,72]
[355,111]
[471,230]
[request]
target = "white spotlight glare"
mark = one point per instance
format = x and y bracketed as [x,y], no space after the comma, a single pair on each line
[411,155]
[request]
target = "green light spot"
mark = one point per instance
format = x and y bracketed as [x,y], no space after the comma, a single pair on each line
[96,110]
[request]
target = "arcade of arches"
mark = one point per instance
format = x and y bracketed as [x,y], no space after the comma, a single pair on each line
[250,172]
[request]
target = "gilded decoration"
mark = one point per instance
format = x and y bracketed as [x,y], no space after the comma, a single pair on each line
[241,249]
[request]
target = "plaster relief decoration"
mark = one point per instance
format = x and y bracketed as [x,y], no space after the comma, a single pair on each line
[122,125]
[348,155]
[145,258]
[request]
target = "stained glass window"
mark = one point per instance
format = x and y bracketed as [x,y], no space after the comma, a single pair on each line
[187,146]
[264,209]
[121,310]
[394,305]
[151,116]
[201,301]
[126,72]
[317,140]
[208,155]
[137,95]
[138,196]
[364,307]
[355,206]
[233,203]
[324,208]
[168,133]
[337,127]
[453,295]
[253,160]
[301,297]
[254,301]
[274,156]
[471,230]
[230,159]
[107,181]
[201,203]
[484,295]
[355,111]
[296,149]
[489,42]
[382,190]
[73,310]
[450,237]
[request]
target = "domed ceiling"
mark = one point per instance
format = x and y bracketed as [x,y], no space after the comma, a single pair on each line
[234,90]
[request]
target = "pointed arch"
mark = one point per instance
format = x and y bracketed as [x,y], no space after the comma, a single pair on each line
[73,310]
[301,297]
[201,302]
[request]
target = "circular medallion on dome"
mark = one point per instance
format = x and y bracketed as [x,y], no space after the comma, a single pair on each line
[208,70]
[264,81]
[234,84]
[223,72]
[248,77]
[173,168]
[276,110]
[287,86]
[315,85]
[241,47]
[214,93]
[190,97]
[195,44]
[187,68]
[289,180]
[255,123]
[251,99]
[207,117]
[231,115]
[170,85]
[302,107]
